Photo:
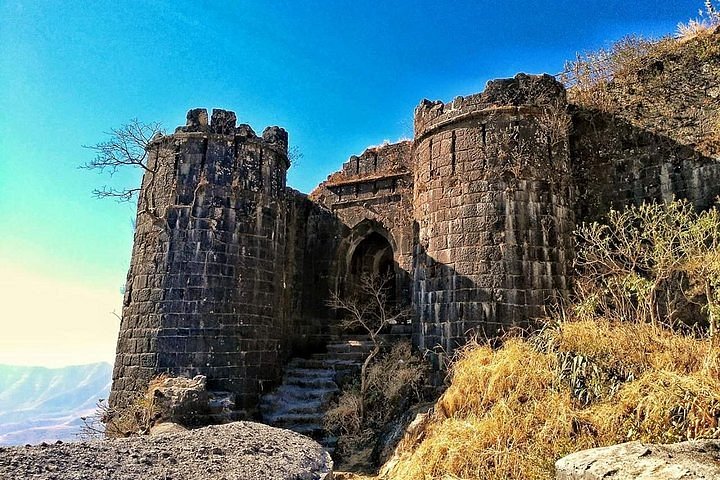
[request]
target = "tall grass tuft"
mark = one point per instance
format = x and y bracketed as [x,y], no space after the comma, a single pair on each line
[510,413]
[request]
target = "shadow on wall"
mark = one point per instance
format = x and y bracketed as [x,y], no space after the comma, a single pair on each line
[616,164]
[452,308]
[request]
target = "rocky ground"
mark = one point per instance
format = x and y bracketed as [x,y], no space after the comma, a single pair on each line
[693,460]
[236,451]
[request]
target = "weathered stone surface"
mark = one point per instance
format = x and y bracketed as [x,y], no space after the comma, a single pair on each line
[693,460]
[181,400]
[231,270]
[493,204]
[236,451]
[208,289]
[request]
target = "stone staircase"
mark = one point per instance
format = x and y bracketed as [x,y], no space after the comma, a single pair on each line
[310,384]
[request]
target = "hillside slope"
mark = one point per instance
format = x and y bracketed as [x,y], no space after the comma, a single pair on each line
[509,413]
[45,404]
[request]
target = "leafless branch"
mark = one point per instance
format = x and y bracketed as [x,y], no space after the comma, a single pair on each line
[126,146]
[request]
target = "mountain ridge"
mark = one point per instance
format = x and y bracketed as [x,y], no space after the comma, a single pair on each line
[45,404]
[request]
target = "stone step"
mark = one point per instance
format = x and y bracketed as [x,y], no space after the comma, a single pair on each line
[308,363]
[310,382]
[291,419]
[273,413]
[309,372]
[306,405]
[345,347]
[357,356]
[298,393]
[309,385]
[311,430]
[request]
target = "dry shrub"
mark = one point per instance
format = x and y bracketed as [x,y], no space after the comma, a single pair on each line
[708,20]
[394,379]
[137,416]
[394,382]
[344,417]
[589,75]
[593,77]
[510,413]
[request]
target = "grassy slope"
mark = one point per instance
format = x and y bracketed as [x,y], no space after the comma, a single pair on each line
[510,413]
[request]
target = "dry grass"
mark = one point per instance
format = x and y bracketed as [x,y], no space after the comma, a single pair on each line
[510,413]
[137,416]
[593,77]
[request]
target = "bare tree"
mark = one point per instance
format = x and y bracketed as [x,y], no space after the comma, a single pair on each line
[368,308]
[126,146]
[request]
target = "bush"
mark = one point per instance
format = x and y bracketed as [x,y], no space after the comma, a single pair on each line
[394,382]
[651,263]
[510,413]
[614,367]
[136,417]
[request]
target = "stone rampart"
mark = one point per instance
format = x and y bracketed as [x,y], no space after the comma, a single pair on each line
[231,271]
[209,268]
[493,202]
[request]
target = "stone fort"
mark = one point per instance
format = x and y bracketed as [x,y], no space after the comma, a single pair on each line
[231,270]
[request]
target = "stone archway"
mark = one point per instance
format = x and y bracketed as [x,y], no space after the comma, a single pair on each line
[371,253]
[373,257]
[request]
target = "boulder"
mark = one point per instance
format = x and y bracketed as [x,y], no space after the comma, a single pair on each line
[692,460]
[180,400]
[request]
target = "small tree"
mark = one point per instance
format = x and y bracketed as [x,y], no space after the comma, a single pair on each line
[647,260]
[126,147]
[368,308]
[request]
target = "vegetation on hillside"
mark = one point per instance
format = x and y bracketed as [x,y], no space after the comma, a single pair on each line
[360,420]
[591,76]
[621,364]
[667,86]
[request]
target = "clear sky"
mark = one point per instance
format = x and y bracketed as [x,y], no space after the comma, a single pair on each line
[338,75]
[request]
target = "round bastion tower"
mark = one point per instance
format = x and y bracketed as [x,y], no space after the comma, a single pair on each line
[493,201]
[205,276]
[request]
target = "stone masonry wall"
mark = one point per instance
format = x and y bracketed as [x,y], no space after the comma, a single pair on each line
[493,202]
[231,270]
[656,135]
[317,236]
[205,291]
[373,193]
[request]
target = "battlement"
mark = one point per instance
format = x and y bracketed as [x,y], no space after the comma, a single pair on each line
[522,94]
[224,122]
[376,161]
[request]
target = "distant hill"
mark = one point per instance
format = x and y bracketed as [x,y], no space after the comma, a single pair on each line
[40,404]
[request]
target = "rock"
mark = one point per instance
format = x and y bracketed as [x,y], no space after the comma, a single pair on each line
[168,427]
[235,451]
[408,427]
[181,400]
[414,434]
[693,460]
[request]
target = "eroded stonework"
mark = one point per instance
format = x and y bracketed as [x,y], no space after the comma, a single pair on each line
[231,270]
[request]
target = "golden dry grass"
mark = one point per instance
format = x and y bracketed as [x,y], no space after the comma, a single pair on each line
[510,413]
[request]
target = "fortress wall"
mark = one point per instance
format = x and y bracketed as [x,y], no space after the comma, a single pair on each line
[373,193]
[493,202]
[204,293]
[617,164]
[317,235]
[654,134]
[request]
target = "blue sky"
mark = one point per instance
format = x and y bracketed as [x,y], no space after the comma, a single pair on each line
[338,75]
